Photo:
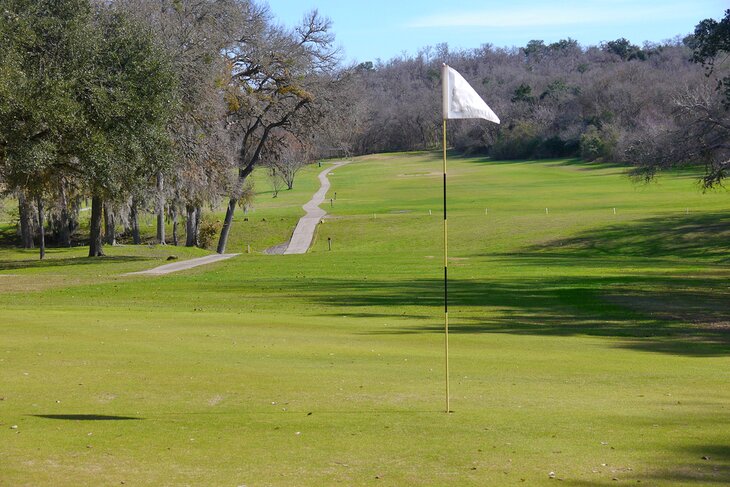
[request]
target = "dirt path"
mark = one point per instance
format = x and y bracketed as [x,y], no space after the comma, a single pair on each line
[304,232]
[183,265]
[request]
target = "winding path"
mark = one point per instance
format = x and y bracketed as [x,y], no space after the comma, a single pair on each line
[299,244]
[304,232]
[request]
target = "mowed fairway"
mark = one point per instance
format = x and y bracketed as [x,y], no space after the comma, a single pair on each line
[587,346]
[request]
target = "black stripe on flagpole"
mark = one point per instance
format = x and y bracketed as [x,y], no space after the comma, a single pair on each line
[446,272]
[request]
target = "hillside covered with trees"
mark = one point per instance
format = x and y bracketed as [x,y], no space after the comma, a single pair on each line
[651,106]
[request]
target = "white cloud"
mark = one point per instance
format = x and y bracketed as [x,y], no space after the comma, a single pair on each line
[560,14]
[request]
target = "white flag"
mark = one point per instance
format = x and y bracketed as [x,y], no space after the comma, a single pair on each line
[460,99]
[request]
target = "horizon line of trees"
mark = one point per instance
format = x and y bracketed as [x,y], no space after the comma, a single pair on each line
[166,107]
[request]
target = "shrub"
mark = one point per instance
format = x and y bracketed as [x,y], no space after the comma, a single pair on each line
[207,232]
[519,142]
[598,144]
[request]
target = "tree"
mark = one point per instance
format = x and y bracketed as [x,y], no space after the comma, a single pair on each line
[193,34]
[624,49]
[698,132]
[279,79]
[44,54]
[89,100]
[133,95]
[711,40]
[285,156]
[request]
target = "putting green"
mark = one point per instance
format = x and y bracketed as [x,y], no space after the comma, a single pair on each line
[586,346]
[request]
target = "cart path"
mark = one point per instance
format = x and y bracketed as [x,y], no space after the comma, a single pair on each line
[183,265]
[304,232]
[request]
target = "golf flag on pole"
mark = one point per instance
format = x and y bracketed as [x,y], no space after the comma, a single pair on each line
[459,101]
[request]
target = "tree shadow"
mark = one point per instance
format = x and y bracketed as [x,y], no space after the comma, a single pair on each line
[62,262]
[710,466]
[574,162]
[86,417]
[578,163]
[645,300]
[705,236]
[683,316]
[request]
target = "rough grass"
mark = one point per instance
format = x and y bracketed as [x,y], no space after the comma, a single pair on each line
[585,344]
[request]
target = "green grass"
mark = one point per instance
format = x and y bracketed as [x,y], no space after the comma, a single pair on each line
[583,343]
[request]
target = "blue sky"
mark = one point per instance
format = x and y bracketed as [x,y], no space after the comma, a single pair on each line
[368,30]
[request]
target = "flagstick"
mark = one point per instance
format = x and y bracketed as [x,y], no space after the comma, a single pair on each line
[469,105]
[446,282]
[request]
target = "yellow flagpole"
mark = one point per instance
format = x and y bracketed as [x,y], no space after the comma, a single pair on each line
[446,281]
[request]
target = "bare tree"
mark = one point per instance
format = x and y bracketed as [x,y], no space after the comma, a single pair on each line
[286,154]
[698,133]
[279,79]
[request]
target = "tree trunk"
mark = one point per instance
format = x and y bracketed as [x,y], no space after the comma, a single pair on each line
[134,222]
[223,241]
[26,222]
[95,245]
[173,210]
[190,227]
[41,228]
[160,209]
[198,217]
[110,236]
[64,227]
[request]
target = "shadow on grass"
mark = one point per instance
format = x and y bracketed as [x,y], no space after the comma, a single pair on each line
[60,262]
[709,465]
[556,162]
[684,236]
[667,314]
[86,417]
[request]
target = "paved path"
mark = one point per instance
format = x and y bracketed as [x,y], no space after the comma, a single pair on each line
[183,265]
[304,232]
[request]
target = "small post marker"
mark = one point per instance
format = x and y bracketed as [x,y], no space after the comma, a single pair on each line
[546,211]
[332,203]
[329,243]
[429,212]
[486,211]
[248,248]
[335,195]
[614,211]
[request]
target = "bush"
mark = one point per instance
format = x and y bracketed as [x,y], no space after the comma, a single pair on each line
[597,144]
[207,232]
[519,142]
